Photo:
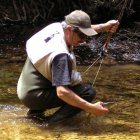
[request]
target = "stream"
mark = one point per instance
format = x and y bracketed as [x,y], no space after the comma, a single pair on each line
[117,83]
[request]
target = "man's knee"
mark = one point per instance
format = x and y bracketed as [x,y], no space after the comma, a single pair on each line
[91,92]
[85,91]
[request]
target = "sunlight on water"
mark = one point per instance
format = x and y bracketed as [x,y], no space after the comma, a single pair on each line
[119,83]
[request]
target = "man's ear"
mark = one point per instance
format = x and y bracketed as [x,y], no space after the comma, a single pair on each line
[69,28]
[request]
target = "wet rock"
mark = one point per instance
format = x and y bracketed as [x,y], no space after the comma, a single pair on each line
[132,57]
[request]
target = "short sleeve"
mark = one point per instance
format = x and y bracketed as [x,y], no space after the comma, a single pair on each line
[61,70]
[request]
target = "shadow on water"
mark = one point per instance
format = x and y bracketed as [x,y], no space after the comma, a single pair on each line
[119,83]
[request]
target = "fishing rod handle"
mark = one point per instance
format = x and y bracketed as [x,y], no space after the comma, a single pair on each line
[107,41]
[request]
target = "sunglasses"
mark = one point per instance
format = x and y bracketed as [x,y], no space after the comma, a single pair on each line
[80,34]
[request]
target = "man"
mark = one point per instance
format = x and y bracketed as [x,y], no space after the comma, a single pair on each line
[50,79]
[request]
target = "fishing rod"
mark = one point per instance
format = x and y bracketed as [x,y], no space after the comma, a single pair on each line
[111,33]
[105,46]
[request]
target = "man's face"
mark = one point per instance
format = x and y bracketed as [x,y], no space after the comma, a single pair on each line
[74,36]
[78,37]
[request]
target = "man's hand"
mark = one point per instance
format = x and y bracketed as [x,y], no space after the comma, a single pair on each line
[71,98]
[98,109]
[111,26]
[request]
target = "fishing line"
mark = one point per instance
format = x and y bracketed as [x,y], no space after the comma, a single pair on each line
[100,57]
[98,71]
[91,65]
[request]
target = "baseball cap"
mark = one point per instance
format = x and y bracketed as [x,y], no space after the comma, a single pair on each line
[81,20]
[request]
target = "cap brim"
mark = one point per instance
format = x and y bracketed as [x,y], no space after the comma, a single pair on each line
[88,31]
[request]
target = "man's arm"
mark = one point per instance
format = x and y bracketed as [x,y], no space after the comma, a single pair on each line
[110,26]
[68,96]
[61,78]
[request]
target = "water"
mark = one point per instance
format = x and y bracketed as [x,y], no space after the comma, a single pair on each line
[119,83]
